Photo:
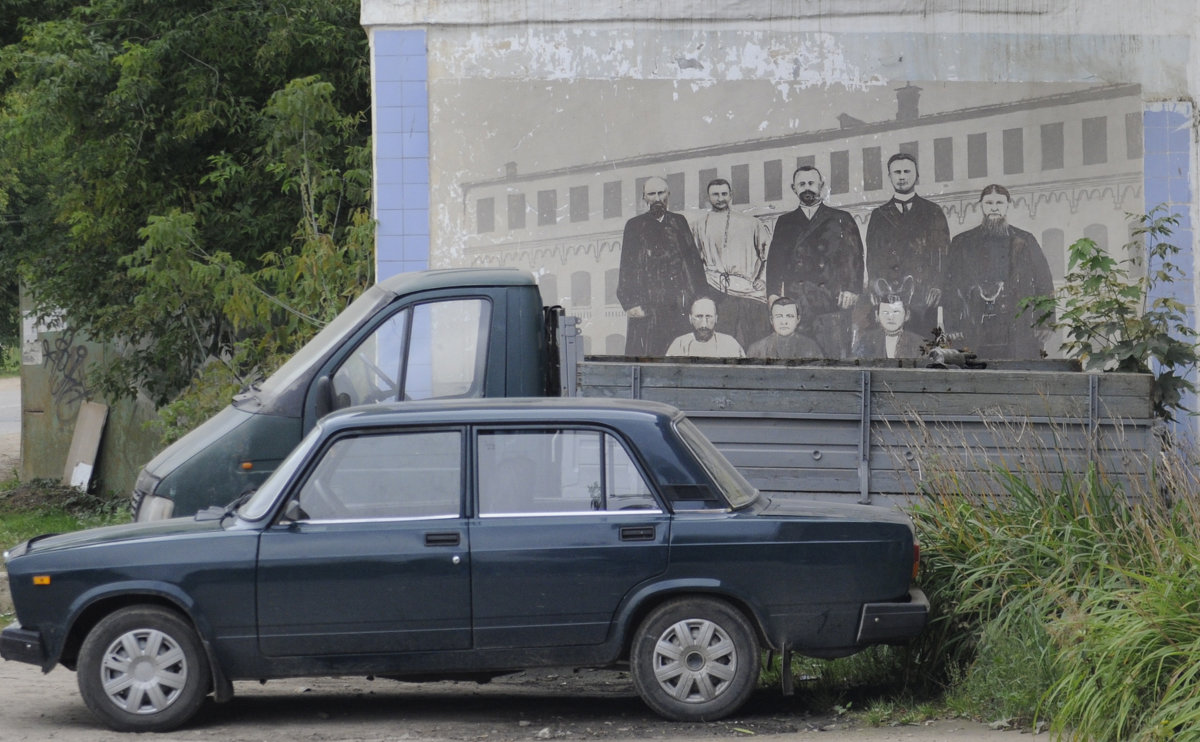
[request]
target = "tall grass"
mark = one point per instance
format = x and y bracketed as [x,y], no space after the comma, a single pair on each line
[1071,598]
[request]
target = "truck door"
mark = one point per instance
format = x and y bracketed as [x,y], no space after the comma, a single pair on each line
[566,528]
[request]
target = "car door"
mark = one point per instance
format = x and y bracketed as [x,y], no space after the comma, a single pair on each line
[567,526]
[376,557]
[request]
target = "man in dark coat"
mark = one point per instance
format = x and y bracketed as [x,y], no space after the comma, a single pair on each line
[816,258]
[784,341]
[660,273]
[909,236]
[991,268]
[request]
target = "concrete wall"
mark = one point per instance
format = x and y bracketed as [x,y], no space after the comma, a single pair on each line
[518,133]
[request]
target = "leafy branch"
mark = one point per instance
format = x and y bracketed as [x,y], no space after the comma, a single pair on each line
[1114,319]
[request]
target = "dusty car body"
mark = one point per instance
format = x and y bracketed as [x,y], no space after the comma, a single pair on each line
[437,539]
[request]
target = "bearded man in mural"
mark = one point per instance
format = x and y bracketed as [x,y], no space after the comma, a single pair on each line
[909,236]
[734,247]
[816,258]
[990,269]
[660,272]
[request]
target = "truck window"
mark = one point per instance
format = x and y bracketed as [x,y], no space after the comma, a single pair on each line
[557,471]
[430,350]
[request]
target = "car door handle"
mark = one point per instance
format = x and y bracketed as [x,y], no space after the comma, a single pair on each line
[450,538]
[637,533]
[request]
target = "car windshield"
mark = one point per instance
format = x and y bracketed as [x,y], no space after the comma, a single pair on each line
[734,486]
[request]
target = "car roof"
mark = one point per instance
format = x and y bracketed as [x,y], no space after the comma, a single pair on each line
[404,283]
[503,409]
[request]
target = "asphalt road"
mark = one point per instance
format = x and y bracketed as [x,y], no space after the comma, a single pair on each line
[10,405]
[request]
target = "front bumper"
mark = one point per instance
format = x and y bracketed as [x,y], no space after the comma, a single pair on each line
[22,645]
[893,622]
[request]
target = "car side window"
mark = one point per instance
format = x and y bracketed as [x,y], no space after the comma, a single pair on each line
[550,471]
[386,476]
[431,350]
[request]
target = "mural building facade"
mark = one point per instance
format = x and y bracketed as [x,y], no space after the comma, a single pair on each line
[829,180]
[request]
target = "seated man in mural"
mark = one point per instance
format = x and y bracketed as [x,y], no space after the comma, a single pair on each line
[889,338]
[785,341]
[990,269]
[734,248]
[704,341]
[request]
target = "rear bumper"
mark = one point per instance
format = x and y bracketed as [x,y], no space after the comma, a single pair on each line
[22,645]
[893,622]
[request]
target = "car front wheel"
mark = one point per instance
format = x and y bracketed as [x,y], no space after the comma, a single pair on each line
[695,659]
[142,669]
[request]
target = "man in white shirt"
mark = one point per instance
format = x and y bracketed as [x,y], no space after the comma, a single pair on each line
[704,341]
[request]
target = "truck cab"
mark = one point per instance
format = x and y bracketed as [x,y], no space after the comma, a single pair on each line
[466,332]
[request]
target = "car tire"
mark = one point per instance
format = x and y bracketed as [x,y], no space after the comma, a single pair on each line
[142,669]
[695,659]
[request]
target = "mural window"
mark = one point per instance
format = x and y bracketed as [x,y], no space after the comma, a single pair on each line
[977,155]
[910,148]
[579,203]
[587,345]
[612,199]
[872,168]
[547,208]
[581,289]
[614,344]
[675,181]
[1095,140]
[485,215]
[1097,233]
[1133,135]
[839,171]
[1013,143]
[516,211]
[548,285]
[773,180]
[740,179]
[707,175]
[611,278]
[943,159]
[1054,246]
[1052,146]
[806,161]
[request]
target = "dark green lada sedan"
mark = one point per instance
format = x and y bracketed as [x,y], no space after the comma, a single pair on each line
[470,538]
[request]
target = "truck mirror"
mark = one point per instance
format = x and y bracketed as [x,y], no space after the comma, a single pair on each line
[324,397]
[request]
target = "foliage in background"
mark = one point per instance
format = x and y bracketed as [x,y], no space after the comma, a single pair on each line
[189,182]
[1112,319]
[1065,598]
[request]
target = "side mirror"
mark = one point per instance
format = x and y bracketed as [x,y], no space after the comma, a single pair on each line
[324,397]
[293,512]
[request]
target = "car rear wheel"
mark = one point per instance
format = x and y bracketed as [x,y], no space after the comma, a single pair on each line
[142,669]
[695,659]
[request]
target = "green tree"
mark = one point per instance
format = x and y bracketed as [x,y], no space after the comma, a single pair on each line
[194,176]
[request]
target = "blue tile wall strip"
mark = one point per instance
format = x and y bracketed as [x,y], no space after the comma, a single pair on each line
[1168,179]
[401,136]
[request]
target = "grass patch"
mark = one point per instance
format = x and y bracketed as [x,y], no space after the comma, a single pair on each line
[44,506]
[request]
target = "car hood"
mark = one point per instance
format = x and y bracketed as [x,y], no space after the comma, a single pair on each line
[834,510]
[114,534]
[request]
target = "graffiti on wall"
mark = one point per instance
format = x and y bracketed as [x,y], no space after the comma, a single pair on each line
[66,362]
[745,218]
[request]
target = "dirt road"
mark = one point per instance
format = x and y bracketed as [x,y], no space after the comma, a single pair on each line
[556,704]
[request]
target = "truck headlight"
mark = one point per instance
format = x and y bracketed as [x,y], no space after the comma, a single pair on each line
[154,507]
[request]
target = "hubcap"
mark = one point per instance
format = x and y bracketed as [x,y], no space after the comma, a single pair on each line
[143,671]
[694,660]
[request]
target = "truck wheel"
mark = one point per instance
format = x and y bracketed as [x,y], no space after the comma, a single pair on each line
[695,659]
[142,669]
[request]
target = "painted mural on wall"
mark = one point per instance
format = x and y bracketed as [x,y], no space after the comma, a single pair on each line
[753,219]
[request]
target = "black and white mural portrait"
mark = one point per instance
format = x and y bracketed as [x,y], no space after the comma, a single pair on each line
[874,209]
